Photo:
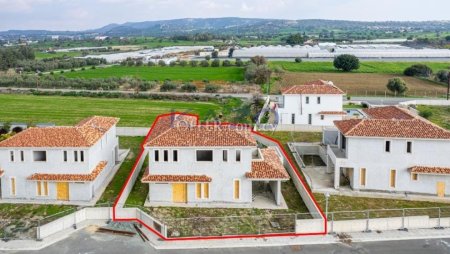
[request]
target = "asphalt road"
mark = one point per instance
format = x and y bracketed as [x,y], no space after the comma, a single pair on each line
[86,241]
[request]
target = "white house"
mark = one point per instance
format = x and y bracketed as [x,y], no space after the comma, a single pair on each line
[391,150]
[58,163]
[208,165]
[316,103]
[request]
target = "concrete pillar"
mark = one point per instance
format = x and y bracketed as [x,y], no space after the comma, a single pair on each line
[278,196]
[337,176]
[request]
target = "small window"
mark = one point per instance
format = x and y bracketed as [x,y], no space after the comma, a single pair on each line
[414,176]
[198,190]
[307,99]
[238,155]
[362,177]
[175,155]
[293,119]
[237,189]
[204,155]
[387,147]
[82,156]
[75,156]
[322,117]
[225,155]
[166,155]
[39,190]
[409,147]
[11,156]
[39,155]
[206,190]
[42,188]
[22,156]
[318,100]
[392,178]
[65,156]
[202,190]
[156,155]
[13,186]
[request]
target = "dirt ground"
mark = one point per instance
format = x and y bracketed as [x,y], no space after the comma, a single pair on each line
[363,84]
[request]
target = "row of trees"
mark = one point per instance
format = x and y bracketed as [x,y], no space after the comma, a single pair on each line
[48,65]
[424,71]
[10,56]
[193,63]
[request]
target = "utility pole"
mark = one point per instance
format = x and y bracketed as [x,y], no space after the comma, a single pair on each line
[448,85]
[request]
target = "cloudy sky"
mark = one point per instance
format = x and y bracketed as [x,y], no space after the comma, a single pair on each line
[86,14]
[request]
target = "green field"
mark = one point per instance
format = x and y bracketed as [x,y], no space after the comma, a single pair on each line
[440,115]
[70,110]
[162,73]
[365,67]
[43,55]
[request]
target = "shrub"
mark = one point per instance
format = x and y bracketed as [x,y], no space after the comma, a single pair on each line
[211,88]
[259,74]
[40,74]
[239,62]
[346,62]
[397,85]
[189,87]
[139,63]
[442,76]
[420,70]
[193,63]
[167,86]
[162,63]
[72,70]
[226,63]
[51,73]
[298,60]
[207,58]
[215,63]
[426,113]
[215,54]
[173,63]
[93,67]
[151,63]
[258,60]
[83,69]
[183,63]
[61,71]
[204,63]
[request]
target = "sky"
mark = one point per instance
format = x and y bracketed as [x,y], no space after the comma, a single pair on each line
[90,14]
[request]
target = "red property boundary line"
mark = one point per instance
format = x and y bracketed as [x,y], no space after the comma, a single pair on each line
[280,146]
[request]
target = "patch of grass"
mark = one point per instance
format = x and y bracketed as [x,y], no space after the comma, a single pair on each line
[440,115]
[162,73]
[140,190]
[44,55]
[30,211]
[113,189]
[352,106]
[70,110]
[365,67]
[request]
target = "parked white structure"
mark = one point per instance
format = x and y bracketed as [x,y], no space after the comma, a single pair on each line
[316,103]
[208,165]
[61,163]
[391,150]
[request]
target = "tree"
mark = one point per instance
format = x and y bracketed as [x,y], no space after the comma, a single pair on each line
[215,63]
[346,62]
[207,57]
[397,86]
[298,59]
[139,63]
[204,63]
[183,63]
[211,88]
[151,63]
[173,63]
[167,86]
[258,74]
[162,63]
[447,38]
[215,54]
[420,70]
[239,62]
[295,39]
[230,52]
[258,60]
[193,63]
[226,63]
[442,76]
[189,88]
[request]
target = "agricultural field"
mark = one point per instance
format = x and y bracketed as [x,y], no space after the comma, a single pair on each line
[365,67]
[363,84]
[44,55]
[162,73]
[70,110]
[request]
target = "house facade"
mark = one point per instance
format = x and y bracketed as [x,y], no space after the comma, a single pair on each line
[316,103]
[206,165]
[69,164]
[391,150]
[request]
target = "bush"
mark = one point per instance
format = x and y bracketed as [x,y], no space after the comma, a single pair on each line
[397,85]
[167,86]
[40,74]
[61,72]
[83,69]
[189,87]
[215,54]
[259,74]
[442,76]
[298,60]
[207,58]
[426,113]
[420,70]
[258,60]
[211,88]
[204,63]
[239,62]
[139,63]
[183,63]
[72,70]
[215,63]
[151,63]
[226,63]
[193,63]
[162,63]
[51,73]
[173,63]
[346,62]
[93,67]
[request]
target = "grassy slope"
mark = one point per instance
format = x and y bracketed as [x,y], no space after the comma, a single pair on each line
[70,110]
[365,67]
[162,73]
[440,115]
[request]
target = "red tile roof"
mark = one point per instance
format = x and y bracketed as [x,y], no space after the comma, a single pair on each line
[84,134]
[70,177]
[393,128]
[389,112]
[268,168]
[430,170]
[332,113]
[174,120]
[314,87]
[176,178]
[204,135]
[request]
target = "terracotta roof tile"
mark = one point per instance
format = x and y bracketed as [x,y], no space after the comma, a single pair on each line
[70,177]
[314,87]
[84,134]
[176,178]
[332,113]
[389,112]
[394,128]
[430,170]
[174,120]
[268,168]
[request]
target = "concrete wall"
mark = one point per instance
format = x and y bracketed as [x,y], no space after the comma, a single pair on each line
[132,131]
[130,183]
[427,102]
